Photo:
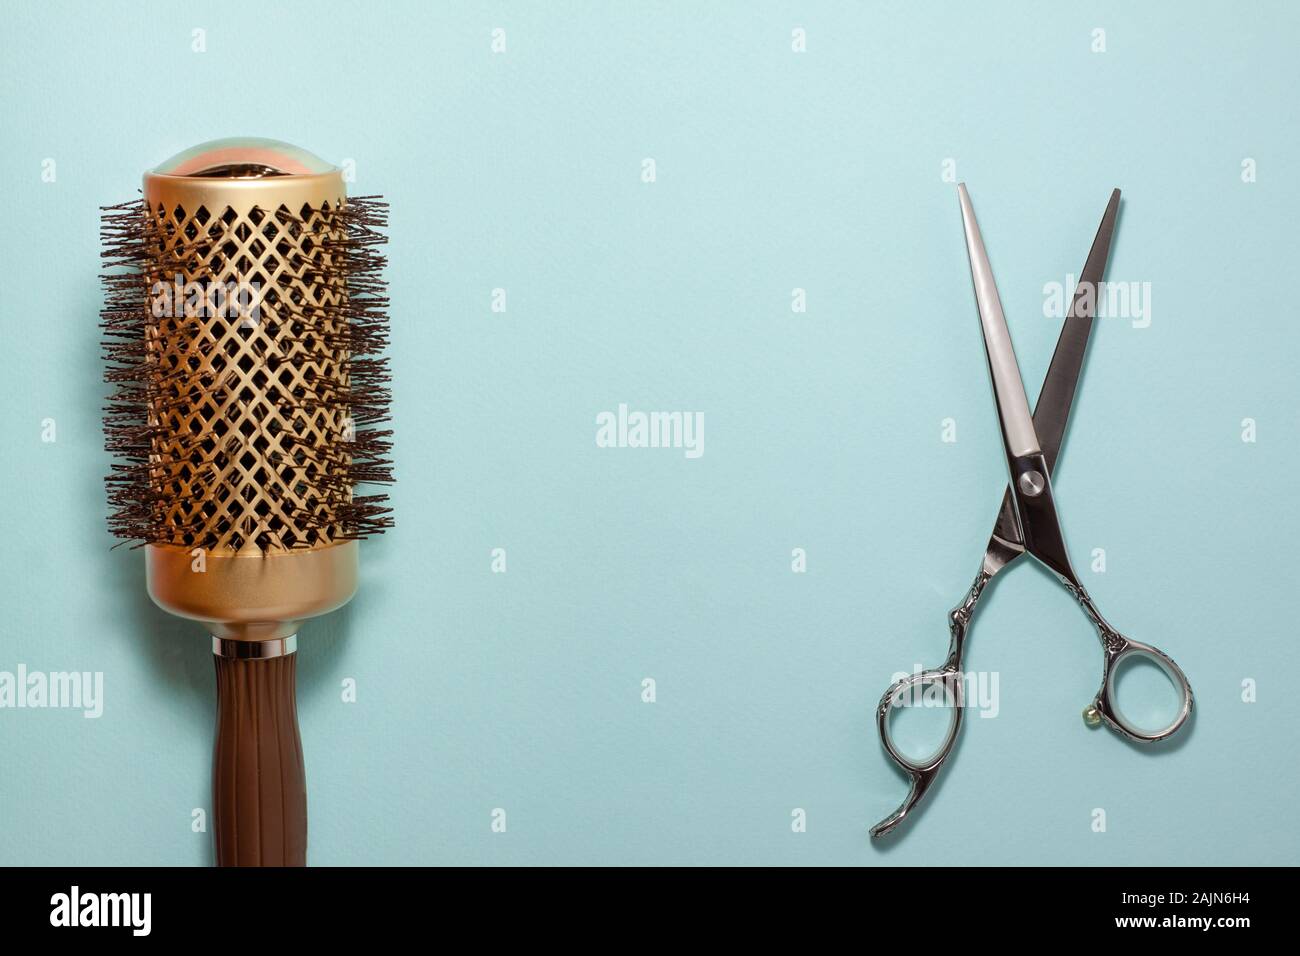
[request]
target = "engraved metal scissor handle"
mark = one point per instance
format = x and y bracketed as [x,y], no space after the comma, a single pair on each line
[1027,521]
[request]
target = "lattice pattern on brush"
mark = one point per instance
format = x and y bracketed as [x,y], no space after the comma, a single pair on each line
[235,430]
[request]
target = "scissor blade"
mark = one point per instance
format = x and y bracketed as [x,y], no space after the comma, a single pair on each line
[1008,387]
[1052,412]
[1053,409]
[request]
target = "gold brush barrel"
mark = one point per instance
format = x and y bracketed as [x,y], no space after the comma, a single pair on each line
[252,597]
[247,382]
[241,461]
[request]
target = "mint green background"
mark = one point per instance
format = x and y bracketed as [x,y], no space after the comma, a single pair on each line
[775,171]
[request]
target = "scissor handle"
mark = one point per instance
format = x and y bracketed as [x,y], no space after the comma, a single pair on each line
[922,773]
[1116,648]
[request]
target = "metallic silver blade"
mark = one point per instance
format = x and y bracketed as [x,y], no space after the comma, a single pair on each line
[1052,412]
[1008,387]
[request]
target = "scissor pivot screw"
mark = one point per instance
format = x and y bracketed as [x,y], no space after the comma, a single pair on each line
[1091,716]
[1032,483]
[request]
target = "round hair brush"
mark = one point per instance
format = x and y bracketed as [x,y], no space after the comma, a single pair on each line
[245,312]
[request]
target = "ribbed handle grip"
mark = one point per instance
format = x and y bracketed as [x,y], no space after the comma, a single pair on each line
[259,789]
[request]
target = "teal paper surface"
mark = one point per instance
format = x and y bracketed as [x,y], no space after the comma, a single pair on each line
[520,177]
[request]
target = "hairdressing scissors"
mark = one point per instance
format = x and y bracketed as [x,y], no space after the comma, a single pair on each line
[1027,521]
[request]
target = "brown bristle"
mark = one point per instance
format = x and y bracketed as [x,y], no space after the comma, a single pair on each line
[229,433]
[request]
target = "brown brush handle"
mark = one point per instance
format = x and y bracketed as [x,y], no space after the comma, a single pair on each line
[259,788]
